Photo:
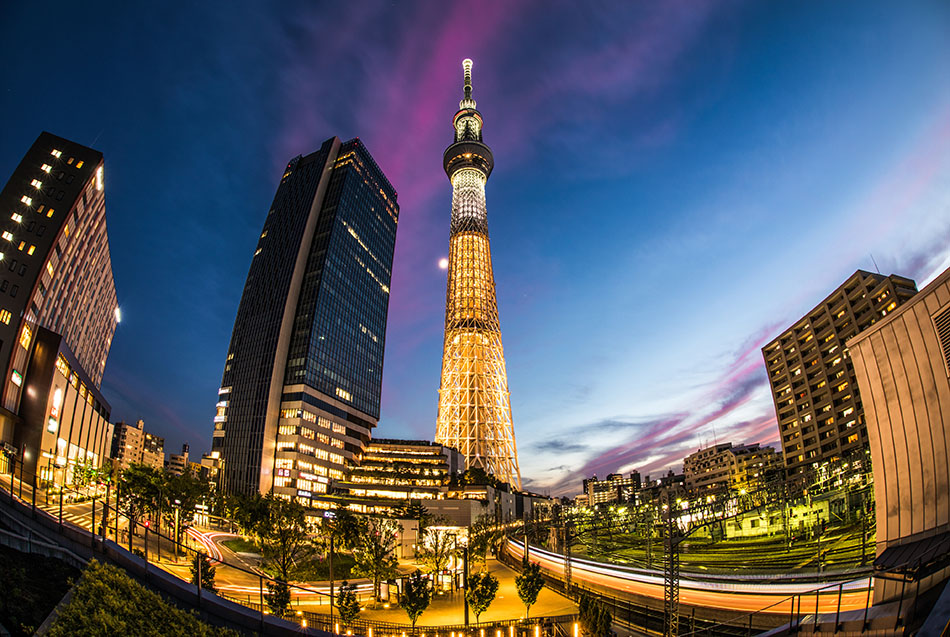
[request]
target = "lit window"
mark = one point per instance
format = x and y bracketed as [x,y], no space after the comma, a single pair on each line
[79,164]
[36,183]
[5,316]
[49,267]
[31,250]
[27,200]
[17,378]
[66,230]
[70,161]
[22,245]
[26,336]
[49,213]
[99,178]
[16,217]
[46,168]
[56,153]
[7,235]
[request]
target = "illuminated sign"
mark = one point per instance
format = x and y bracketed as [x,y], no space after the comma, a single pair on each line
[54,410]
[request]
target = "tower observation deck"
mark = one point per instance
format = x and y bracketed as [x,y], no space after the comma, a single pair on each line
[474,403]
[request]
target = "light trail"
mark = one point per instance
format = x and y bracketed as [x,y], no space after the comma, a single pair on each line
[738,596]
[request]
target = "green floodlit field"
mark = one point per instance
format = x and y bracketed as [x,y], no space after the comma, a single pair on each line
[840,550]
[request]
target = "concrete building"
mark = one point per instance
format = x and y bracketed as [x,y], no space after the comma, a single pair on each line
[131,444]
[902,365]
[302,379]
[725,466]
[814,389]
[616,488]
[57,276]
[178,462]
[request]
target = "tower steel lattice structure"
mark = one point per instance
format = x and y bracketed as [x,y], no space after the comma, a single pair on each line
[474,402]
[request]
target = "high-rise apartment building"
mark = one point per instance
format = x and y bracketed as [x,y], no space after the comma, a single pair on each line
[303,375]
[55,274]
[727,466]
[811,376]
[474,403]
[615,488]
[131,444]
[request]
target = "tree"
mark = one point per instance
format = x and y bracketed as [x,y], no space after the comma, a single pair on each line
[483,536]
[437,546]
[480,591]
[374,548]
[201,569]
[278,597]
[347,603]
[594,617]
[416,511]
[529,584]
[416,596]
[182,492]
[139,491]
[285,534]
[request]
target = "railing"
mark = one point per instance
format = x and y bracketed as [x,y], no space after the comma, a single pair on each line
[247,586]
[796,613]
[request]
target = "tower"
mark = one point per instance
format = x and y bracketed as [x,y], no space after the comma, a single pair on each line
[303,375]
[474,403]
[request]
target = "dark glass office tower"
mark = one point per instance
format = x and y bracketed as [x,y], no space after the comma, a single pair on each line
[302,379]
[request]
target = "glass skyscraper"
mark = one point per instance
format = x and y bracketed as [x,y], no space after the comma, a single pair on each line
[303,375]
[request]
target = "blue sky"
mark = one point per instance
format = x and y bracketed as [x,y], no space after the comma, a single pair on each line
[675,183]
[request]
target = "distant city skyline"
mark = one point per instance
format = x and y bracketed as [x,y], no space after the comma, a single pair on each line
[654,162]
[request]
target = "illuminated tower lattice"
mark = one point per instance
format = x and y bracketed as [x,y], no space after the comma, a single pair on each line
[474,405]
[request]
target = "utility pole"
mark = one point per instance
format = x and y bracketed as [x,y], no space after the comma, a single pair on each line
[671,571]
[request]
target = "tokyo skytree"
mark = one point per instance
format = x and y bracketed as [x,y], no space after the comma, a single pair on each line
[474,402]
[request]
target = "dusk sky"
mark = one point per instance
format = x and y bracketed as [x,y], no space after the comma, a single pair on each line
[675,183]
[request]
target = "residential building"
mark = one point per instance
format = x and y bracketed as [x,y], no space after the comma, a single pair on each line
[812,380]
[474,403]
[727,466]
[55,274]
[131,444]
[178,463]
[302,379]
[616,488]
[902,365]
[153,451]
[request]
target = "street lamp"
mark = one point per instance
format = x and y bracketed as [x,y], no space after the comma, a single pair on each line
[177,509]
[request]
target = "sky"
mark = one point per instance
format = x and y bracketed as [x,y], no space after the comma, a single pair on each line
[675,183]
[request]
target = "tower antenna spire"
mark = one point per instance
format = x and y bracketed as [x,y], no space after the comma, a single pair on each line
[467,101]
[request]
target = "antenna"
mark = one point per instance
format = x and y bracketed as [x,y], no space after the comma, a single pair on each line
[875,263]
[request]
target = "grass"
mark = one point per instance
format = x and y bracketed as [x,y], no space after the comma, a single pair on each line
[240,545]
[840,548]
[30,588]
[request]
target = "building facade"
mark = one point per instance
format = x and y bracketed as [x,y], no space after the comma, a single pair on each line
[302,380]
[392,473]
[178,463]
[131,444]
[812,380]
[615,488]
[55,274]
[727,466]
[902,365]
[474,403]
[63,414]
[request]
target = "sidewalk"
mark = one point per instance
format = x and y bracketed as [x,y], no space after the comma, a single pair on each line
[448,609]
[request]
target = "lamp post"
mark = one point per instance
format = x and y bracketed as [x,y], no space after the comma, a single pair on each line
[177,510]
